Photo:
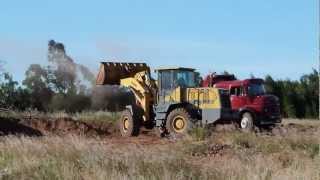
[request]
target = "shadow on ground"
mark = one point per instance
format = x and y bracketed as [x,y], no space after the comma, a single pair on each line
[11,126]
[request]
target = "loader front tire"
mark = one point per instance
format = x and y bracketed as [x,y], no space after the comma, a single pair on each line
[128,124]
[179,122]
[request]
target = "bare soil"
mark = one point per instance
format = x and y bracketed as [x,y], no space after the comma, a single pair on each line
[68,126]
[107,130]
[64,126]
[60,126]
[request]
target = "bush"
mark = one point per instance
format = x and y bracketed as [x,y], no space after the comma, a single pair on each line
[70,103]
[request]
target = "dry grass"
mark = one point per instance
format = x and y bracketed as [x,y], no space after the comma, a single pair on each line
[203,155]
[252,156]
[311,122]
[79,158]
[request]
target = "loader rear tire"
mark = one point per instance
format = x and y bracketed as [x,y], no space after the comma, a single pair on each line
[128,124]
[179,122]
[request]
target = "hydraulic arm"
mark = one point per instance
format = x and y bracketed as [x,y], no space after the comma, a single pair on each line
[135,76]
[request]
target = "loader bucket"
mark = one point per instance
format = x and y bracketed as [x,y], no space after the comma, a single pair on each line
[111,73]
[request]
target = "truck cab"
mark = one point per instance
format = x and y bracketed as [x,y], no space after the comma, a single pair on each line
[250,103]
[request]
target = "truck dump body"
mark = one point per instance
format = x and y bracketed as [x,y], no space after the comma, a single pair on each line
[246,82]
[212,79]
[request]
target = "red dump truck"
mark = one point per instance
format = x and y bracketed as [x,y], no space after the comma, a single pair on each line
[251,105]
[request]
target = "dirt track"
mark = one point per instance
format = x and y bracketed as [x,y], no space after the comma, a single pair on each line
[108,131]
[67,126]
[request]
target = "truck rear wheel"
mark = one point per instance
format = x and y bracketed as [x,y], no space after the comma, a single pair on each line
[179,122]
[128,124]
[246,122]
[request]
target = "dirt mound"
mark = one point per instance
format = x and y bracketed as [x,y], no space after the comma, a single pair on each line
[14,127]
[64,126]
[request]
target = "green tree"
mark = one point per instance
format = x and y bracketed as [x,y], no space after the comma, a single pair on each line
[12,96]
[310,86]
[297,98]
[38,84]
[70,103]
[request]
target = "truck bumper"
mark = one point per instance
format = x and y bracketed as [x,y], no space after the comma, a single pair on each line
[269,120]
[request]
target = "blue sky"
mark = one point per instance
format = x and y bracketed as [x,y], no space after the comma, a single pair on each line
[243,37]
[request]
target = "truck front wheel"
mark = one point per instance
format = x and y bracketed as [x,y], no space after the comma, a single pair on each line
[246,122]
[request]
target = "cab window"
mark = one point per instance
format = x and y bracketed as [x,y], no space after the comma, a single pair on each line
[256,89]
[184,78]
[236,91]
[166,80]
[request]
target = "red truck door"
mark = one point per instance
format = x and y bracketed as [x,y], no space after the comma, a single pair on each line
[237,98]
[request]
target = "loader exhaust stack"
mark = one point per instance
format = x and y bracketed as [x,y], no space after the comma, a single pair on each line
[111,73]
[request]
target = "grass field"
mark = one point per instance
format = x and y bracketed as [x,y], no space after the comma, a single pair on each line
[289,152]
[312,122]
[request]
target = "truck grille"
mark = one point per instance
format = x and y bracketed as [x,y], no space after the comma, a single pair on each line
[273,110]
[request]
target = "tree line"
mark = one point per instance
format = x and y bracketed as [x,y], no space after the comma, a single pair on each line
[298,98]
[63,85]
[43,89]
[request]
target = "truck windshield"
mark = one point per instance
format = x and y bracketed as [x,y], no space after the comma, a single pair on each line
[256,89]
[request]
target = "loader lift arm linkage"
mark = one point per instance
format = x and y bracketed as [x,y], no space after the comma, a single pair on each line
[136,77]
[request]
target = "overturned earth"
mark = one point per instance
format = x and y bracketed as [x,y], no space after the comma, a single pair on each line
[66,126]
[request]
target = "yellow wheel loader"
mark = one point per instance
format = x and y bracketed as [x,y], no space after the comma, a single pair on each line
[173,104]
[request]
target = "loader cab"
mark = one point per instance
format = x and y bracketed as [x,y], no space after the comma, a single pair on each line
[171,79]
